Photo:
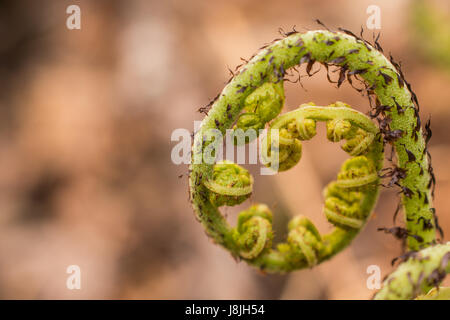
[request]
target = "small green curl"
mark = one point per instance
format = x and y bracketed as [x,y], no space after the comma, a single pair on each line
[303,240]
[230,185]
[342,208]
[342,123]
[338,129]
[261,106]
[357,172]
[306,129]
[358,140]
[343,197]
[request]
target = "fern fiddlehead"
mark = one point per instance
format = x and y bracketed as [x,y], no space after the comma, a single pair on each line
[422,271]
[257,90]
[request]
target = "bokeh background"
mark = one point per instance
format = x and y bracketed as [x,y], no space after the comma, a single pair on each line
[86,118]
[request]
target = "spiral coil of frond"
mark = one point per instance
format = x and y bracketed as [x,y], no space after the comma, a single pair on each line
[254,97]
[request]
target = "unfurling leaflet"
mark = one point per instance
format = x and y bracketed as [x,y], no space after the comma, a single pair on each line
[254,98]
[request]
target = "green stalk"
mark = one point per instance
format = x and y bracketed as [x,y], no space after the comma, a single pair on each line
[422,271]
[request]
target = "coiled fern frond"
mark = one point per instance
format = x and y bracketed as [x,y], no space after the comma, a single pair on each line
[255,96]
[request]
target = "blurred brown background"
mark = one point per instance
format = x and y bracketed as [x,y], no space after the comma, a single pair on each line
[85,123]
